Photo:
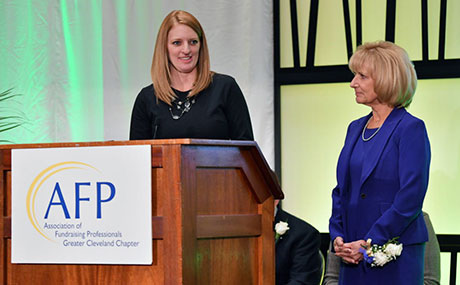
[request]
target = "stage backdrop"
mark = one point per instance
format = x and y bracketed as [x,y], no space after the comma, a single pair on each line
[80,64]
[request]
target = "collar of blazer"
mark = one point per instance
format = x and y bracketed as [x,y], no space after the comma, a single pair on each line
[377,147]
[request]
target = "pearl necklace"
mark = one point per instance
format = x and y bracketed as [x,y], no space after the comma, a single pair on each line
[364,129]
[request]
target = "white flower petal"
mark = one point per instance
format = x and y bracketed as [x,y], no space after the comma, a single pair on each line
[281,228]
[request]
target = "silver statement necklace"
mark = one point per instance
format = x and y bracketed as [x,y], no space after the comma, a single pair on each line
[373,135]
[181,107]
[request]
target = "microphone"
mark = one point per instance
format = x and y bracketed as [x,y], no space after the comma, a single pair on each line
[156,124]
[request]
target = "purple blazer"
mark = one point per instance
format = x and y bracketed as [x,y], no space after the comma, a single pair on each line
[394,181]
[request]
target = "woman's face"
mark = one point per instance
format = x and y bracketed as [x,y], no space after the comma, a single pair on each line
[363,84]
[183,48]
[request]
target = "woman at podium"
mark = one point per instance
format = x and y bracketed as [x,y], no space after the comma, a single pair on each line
[187,99]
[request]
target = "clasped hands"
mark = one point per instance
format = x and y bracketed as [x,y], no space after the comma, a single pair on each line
[349,252]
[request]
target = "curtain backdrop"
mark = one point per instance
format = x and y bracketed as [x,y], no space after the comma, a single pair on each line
[80,64]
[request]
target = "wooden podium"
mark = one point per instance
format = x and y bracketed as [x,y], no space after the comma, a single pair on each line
[212,217]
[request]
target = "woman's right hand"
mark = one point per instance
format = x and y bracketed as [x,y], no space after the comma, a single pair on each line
[338,244]
[340,247]
[348,252]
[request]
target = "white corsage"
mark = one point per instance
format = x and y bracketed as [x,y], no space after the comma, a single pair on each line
[280,229]
[379,255]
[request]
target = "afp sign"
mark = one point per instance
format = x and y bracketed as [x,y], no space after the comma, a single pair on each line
[82,205]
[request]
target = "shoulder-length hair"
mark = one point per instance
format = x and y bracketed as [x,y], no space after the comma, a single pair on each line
[395,79]
[160,70]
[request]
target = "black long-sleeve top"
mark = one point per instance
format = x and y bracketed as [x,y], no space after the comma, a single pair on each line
[219,112]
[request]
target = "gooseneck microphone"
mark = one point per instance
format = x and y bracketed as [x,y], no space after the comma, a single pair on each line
[156,124]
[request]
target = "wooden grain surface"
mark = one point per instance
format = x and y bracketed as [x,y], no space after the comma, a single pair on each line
[212,218]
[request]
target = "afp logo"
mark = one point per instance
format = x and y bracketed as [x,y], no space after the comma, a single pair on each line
[66,192]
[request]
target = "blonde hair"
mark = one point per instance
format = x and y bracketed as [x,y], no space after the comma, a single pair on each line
[395,79]
[160,70]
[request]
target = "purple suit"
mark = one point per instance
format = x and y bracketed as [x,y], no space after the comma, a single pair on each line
[392,186]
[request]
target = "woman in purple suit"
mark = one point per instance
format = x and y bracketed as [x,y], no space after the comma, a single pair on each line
[382,173]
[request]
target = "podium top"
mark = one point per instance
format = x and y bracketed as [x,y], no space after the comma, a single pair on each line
[252,146]
[133,142]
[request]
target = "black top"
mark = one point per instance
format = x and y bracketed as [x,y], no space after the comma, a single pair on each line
[218,112]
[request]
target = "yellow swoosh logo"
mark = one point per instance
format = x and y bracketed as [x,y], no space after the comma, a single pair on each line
[38,182]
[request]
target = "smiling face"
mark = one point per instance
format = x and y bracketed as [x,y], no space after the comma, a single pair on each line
[363,84]
[183,49]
